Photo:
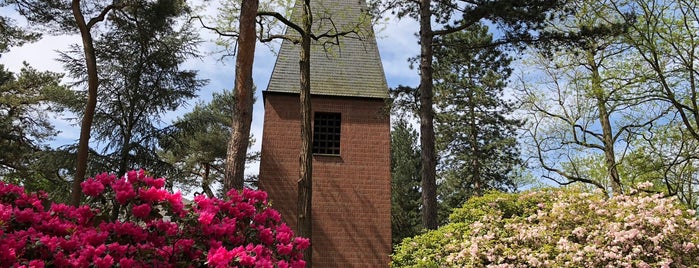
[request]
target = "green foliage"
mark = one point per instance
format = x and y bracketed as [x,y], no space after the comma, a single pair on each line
[427,250]
[55,15]
[140,54]
[12,35]
[588,100]
[196,144]
[559,228]
[476,136]
[499,204]
[25,103]
[668,160]
[405,182]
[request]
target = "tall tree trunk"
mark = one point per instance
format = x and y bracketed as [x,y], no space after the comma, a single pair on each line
[305,183]
[607,135]
[242,117]
[475,152]
[427,139]
[91,105]
[206,180]
[124,154]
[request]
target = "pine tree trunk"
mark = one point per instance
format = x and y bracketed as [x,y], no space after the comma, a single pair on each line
[206,180]
[475,150]
[427,137]
[90,106]
[242,117]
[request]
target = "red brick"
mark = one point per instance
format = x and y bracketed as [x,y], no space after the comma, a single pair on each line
[351,193]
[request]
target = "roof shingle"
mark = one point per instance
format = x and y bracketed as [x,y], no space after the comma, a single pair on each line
[351,68]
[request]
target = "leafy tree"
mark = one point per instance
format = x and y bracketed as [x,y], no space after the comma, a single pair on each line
[196,144]
[664,34]
[589,98]
[476,139]
[25,101]
[81,17]
[668,158]
[140,56]
[405,182]
[516,19]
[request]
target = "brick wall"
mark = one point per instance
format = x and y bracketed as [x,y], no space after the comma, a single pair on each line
[351,193]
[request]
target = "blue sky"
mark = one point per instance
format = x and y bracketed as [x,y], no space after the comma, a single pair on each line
[396,41]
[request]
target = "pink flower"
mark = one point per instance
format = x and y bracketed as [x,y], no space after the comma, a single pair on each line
[219,257]
[5,213]
[141,211]
[105,178]
[245,259]
[26,216]
[158,183]
[284,234]
[258,196]
[135,175]
[105,262]
[284,249]
[266,236]
[124,191]
[176,204]
[36,264]
[205,217]
[92,187]
[126,262]
[302,243]
[66,236]
[298,264]
[152,194]
[203,202]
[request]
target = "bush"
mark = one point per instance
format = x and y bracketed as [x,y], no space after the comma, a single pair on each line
[559,228]
[150,227]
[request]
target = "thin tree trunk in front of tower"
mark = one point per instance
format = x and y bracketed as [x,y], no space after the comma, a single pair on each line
[305,183]
[242,117]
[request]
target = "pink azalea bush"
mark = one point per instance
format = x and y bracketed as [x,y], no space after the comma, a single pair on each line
[134,222]
[559,228]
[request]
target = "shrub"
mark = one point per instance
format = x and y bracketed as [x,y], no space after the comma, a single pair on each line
[559,228]
[150,227]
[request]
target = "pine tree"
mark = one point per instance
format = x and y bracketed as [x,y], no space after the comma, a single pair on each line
[25,129]
[476,139]
[405,182]
[140,55]
[196,144]
[520,21]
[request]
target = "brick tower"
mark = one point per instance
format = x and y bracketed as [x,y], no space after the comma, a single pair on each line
[351,209]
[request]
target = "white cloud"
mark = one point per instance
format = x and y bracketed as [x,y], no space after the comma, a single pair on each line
[397,42]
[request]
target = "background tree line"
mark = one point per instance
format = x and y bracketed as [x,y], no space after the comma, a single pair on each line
[604,96]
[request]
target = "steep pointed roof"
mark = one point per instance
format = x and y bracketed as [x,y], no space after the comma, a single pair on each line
[346,66]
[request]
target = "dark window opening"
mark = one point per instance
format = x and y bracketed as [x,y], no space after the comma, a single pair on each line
[326,133]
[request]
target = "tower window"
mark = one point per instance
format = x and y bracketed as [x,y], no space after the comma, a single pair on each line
[326,133]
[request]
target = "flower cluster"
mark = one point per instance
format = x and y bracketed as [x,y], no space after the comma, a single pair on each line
[134,222]
[560,228]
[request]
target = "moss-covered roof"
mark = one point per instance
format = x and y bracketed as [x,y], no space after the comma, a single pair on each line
[351,68]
